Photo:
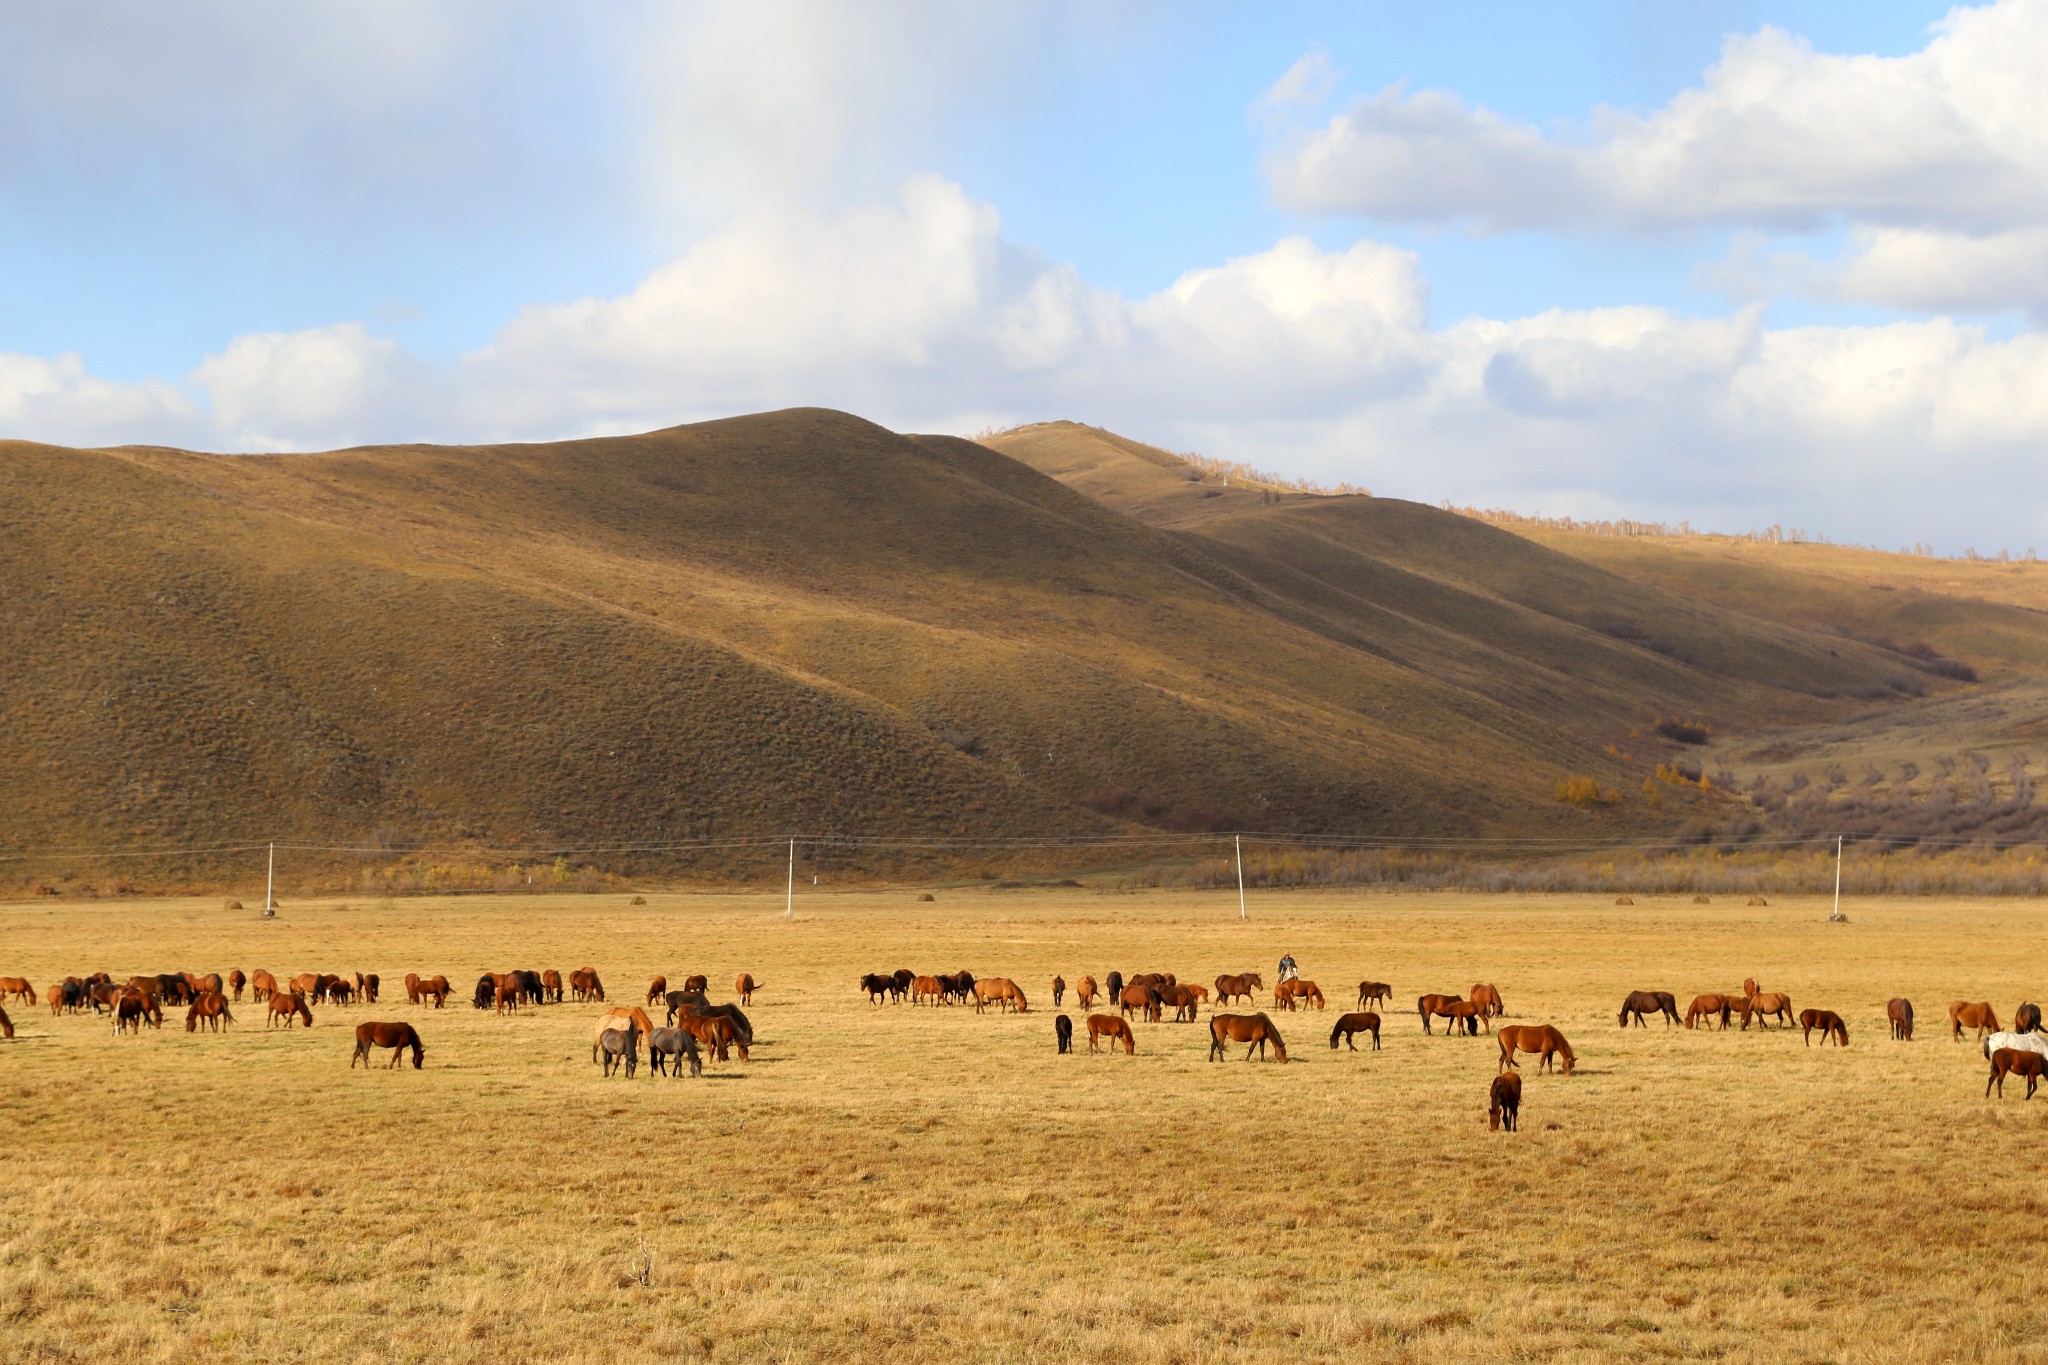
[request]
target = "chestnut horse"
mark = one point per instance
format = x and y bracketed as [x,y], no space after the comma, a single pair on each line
[1349,1024]
[262,985]
[1430,1005]
[1307,992]
[656,989]
[1374,993]
[397,1037]
[1186,1006]
[1466,1014]
[1980,1016]
[133,1010]
[1828,1022]
[745,986]
[716,1032]
[583,985]
[2013,1062]
[1256,1030]
[1900,1011]
[926,988]
[237,983]
[17,988]
[211,1006]
[1059,990]
[1085,994]
[288,1007]
[1002,991]
[1487,997]
[1706,1007]
[1541,1038]
[2026,1019]
[1504,1102]
[1640,1003]
[1241,986]
[1143,997]
[1775,1005]
[1112,1027]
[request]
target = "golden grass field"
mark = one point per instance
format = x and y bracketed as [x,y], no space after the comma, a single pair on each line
[928,1184]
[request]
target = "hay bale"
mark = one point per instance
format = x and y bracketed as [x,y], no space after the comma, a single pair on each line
[1624,900]
[927,896]
[1758,900]
[1702,900]
[232,905]
[637,900]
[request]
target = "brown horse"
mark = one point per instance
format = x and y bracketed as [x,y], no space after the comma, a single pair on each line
[1187,1007]
[212,1007]
[1640,1003]
[1000,991]
[1900,1011]
[926,989]
[435,989]
[1541,1038]
[1504,1102]
[1350,1024]
[6,1025]
[1828,1022]
[1112,1027]
[716,1032]
[1774,1005]
[237,983]
[1706,1007]
[133,1010]
[308,985]
[1749,987]
[744,987]
[17,988]
[1241,986]
[1466,1014]
[1307,992]
[1374,993]
[1429,1006]
[288,1007]
[2008,1061]
[584,985]
[1487,997]
[397,1037]
[368,986]
[700,982]
[1142,997]
[339,992]
[2027,1018]
[262,985]
[656,989]
[1256,1030]
[1085,992]
[1980,1016]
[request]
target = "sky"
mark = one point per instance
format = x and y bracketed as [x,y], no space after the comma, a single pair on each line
[1739,264]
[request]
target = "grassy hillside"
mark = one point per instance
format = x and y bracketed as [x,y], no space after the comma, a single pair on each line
[801,621]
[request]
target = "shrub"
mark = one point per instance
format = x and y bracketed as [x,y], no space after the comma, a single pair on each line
[1684,731]
[1585,792]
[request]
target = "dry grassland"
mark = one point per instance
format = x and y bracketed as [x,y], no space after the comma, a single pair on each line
[918,1184]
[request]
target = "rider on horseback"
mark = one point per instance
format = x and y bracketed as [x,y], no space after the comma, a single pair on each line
[1288,971]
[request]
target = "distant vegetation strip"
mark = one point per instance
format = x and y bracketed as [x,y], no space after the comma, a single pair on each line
[1770,535]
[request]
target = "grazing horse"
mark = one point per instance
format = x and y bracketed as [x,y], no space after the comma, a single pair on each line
[551,987]
[1487,997]
[397,1037]
[1293,989]
[1980,1016]
[288,1007]
[926,989]
[1706,1007]
[132,1010]
[236,983]
[2026,1019]
[1085,994]
[1750,988]
[1113,1027]
[656,989]
[1468,1015]
[1143,998]
[2008,1061]
[211,1006]
[1256,1030]
[1432,1005]
[959,986]
[1504,1102]
[744,986]
[666,1048]
[1775,1005]
[1230,989]
[1541,1038]
[262,985]
[1059,990]
[1374,993]
[1063,1034]
[1828,1022]
[877,987]
[368,986]
[340,992]
[716,1032]
[584,985]
[618,1047]
[699,982]
[1899,1010]
[1349,1024]
[308,985]
[1640,1003]
[435,989]
[6,1025]
[1187,1006]
[1002,991]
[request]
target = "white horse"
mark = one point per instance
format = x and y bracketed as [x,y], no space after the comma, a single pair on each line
[2018,1042]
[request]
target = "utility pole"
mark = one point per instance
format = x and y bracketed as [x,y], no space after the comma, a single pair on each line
[1239,839]
[1838,878]
[270,884]
[790,912]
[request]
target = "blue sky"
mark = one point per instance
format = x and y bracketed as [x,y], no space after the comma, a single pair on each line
[1740,263]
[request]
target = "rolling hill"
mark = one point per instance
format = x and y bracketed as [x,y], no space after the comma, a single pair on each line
[799,621]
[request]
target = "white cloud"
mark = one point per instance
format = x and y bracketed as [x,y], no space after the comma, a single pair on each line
[1953,136]
[323,387]
[56,400]
[1944,272]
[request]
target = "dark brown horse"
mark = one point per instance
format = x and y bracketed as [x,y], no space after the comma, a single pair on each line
[1431,1006]
[584,985]
[1767,1005]
[288,1007]
[1255,1030]
[1541,1038]
[397,1037]
[1187,1006]
[1063,1034]
[1900,1011]
[1504,1101]
[1705,1007]
[1374,993]
[2008,1061]
[237,983]
[212,1007]
[369,986]
[2026,1019]
[1349,1024]
[1487,997]
[1059,991]
[6,1025]
[1239,987]
[699,982]
[744,987]
[1828,1022]
[1112,1027]
[1640,1003]
[1980,1016]
[656,989]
